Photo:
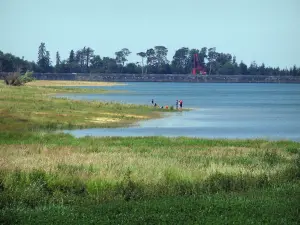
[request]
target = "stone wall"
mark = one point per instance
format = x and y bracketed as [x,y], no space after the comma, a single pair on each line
[166,78]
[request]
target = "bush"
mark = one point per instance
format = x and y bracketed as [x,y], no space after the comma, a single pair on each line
[13,79]
[16,79]
[27,77]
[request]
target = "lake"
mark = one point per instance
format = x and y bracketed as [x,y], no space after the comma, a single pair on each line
[219,110]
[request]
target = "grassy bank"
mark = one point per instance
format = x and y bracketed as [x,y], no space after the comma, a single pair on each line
[54,174]
[156,166]
[32,108]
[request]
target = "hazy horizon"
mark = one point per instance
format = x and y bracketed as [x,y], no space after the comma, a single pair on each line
[263,31]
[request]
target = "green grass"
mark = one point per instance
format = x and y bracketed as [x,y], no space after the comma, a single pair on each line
[274,205]
[59,89]
[28,108]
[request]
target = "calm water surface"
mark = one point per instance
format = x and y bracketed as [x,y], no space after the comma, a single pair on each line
[269,111]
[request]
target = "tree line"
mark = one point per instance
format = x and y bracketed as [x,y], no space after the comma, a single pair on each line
[153,61]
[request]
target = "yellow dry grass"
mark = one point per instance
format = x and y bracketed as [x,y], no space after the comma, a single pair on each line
[71,83]
[127,115]
[103,120]
[111,163]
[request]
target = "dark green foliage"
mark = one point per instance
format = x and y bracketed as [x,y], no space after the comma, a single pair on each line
[11,63]
[44,61]
[224,182]
[272,158]
[181,60]
[294,150]
[153,61]
[297,166]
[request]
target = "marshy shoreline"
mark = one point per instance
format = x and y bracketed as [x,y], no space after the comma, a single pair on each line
[55,177]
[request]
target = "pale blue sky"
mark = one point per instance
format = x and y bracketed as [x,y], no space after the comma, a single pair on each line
[262,30]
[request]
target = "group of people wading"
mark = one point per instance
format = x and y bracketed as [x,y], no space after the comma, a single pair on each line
[178,104]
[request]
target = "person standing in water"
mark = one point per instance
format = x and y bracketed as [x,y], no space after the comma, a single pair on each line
[152,101]
[176,104]
[180,104]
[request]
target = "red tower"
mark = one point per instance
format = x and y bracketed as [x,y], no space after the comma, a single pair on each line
[197,66]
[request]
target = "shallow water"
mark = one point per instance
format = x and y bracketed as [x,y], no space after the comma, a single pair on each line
[219,110]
